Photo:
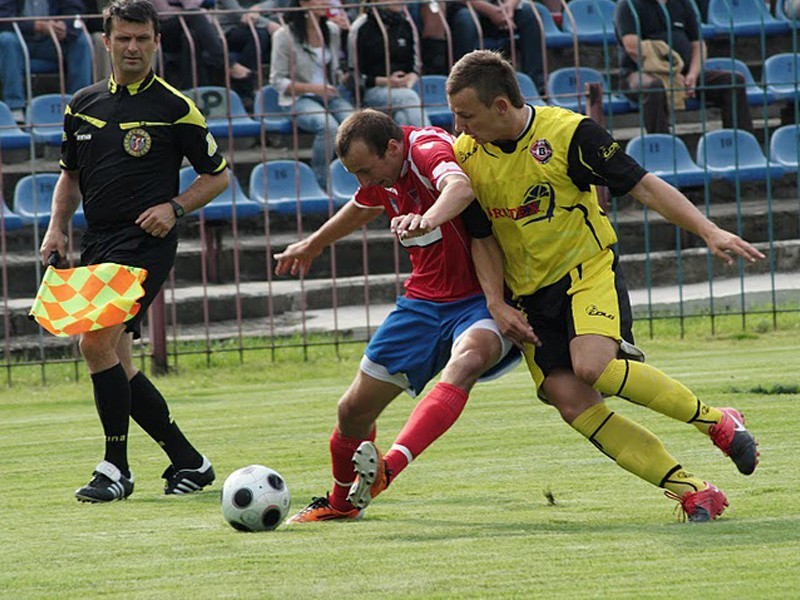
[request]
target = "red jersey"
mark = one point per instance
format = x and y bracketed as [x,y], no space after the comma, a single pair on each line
[441,260]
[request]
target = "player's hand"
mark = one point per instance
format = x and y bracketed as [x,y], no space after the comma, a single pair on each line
[409,226]
[157,220]
[296,259]
[725,245]
[514,325]
[54,242]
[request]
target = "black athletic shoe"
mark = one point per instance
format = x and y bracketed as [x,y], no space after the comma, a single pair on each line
[187,481]
[107,485]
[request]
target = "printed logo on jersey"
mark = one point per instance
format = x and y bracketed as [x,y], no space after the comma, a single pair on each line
[212,144]
[606,152]
[538,204]
[463,156]
[542,151]
[137,142]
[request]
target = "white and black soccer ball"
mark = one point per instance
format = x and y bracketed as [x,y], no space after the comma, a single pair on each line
[255,498]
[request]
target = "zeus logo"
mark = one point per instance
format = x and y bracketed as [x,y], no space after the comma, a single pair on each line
[593,311]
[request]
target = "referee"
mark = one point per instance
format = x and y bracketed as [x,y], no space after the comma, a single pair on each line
[124,141]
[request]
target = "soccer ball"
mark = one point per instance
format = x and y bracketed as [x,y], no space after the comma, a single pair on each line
[255,498]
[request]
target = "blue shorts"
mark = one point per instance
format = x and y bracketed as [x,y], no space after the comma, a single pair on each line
[414,342]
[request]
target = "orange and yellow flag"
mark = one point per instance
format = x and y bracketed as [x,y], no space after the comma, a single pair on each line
[74,301]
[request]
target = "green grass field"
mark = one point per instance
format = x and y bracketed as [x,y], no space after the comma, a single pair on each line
[469,519]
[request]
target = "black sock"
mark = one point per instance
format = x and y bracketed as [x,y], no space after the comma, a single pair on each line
[151,413]
[112,397]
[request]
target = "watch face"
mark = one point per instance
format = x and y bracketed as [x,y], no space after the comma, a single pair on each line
[177,209]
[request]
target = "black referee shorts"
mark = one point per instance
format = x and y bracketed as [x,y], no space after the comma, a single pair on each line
[133,247]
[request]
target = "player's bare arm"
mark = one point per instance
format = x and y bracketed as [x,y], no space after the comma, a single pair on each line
[297,257]
[159,220]
[456,195]
[66,199]
[488,259]
[657,194]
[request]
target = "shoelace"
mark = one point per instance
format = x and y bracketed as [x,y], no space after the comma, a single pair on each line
[316,502]
[679,511]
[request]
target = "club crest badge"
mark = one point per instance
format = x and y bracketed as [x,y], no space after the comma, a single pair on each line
[137,142]
[542,151]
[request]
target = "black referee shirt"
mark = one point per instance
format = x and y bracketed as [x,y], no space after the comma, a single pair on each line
[128,143]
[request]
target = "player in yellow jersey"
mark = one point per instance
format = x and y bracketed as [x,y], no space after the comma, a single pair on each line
[537,220]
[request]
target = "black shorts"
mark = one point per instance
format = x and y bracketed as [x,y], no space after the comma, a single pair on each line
[133,247]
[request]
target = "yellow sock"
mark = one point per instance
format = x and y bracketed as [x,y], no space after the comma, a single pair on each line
[647,386]
[635,449]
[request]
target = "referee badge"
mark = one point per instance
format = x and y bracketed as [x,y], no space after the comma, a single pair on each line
[137,142]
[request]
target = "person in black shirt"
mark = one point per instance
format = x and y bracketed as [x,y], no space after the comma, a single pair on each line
[679,31]
[124,140]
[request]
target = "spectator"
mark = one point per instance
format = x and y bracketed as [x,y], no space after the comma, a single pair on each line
[76,49]
[205,39]
[304,68]
[495,17]
[390,91]
[648,77]
[242,44]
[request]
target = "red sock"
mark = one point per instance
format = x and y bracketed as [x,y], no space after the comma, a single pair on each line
[434,415]
[342,449]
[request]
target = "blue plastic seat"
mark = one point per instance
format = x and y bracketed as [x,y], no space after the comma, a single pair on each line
[33,197]
[10,220]
[783,146]
[221,208]
[735,154]
[594,21]
[781,13]
[667,156]
[564,90]
[220,117]
[281,184]
[267,109]
[343,183]
[45,118]
[431,91]
[11,136]
[782,76]
[553,36]
[756,95]
[744,17]
[529,91]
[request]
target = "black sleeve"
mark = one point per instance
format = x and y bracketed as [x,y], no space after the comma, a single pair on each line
[370,51]
[624,23]
[691,26]
[476,222]
[596,159]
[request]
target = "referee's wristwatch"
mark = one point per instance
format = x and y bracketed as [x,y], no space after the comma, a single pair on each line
[177,209]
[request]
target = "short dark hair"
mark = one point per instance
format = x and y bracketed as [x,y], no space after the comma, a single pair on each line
[372,127]
[489,74]
[135,11]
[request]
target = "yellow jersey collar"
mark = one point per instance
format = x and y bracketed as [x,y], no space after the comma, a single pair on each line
[133,88]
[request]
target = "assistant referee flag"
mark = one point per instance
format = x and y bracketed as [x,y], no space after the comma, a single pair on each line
[74,301]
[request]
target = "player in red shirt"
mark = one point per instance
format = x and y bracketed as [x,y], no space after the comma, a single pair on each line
[441,323]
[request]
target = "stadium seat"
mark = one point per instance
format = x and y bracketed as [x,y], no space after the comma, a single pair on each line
[9,220]
[431,91]
[594,21]
[667,156]
[782,15]
[221,208]
[11,136]
[744,18]
[281,184]
[782,76]
[734,154]
[33,197]
[783,147]
[529,91]
[213,103]
[756,95]
[553,36]
[45,118]
[267,109]
[343,183]
[564,90]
